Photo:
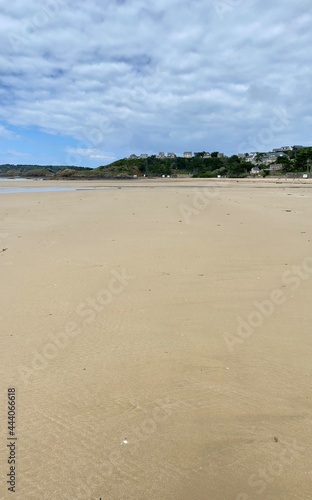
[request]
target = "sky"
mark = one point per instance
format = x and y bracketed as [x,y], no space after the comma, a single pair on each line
[86,83]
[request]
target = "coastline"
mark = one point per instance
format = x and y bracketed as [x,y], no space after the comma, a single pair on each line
[176,182]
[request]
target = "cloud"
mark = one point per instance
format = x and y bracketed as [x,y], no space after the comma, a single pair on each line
[7,134]
[17,153]
[143,76]
[11,152]
[90,153]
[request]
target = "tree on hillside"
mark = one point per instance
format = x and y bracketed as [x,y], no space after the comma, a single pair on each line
[259,158]
[204,167]
[233,159]
[39,172]
[235,169]
[287,164]
[302,158]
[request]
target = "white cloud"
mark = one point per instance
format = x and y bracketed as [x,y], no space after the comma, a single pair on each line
[137,75]
[90,153]
[7,134]
[12,152]
[17,153]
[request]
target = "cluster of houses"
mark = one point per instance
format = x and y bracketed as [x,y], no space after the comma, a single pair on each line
[268,159]
[265,159]
[186,154]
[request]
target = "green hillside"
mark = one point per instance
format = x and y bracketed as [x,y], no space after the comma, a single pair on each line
[197,166]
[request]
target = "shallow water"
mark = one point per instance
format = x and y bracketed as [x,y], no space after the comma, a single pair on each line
[17,179]
[12,190]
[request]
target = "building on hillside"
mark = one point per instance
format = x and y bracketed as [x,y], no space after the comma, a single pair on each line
[132,157]
[251,157]
[283,148]
[255,170]
[187,154]
[171,155]
[298,147]
[202,154]
[275,167]
[269,158]
[267,161]
[161,155]
[275,155]
[143,156]
[220,155]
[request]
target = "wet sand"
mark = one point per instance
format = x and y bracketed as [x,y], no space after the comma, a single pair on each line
[159,340]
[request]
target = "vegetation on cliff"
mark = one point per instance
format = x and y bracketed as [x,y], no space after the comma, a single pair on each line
[197,166]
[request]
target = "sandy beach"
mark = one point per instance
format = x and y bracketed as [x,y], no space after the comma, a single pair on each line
[158,340]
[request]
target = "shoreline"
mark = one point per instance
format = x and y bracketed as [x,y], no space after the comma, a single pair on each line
[159,182]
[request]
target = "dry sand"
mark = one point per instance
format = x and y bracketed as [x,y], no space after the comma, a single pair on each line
[154,392]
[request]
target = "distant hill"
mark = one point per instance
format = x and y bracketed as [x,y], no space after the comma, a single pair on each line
[197,166]
[10,170]
[118,169]
[125,168]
